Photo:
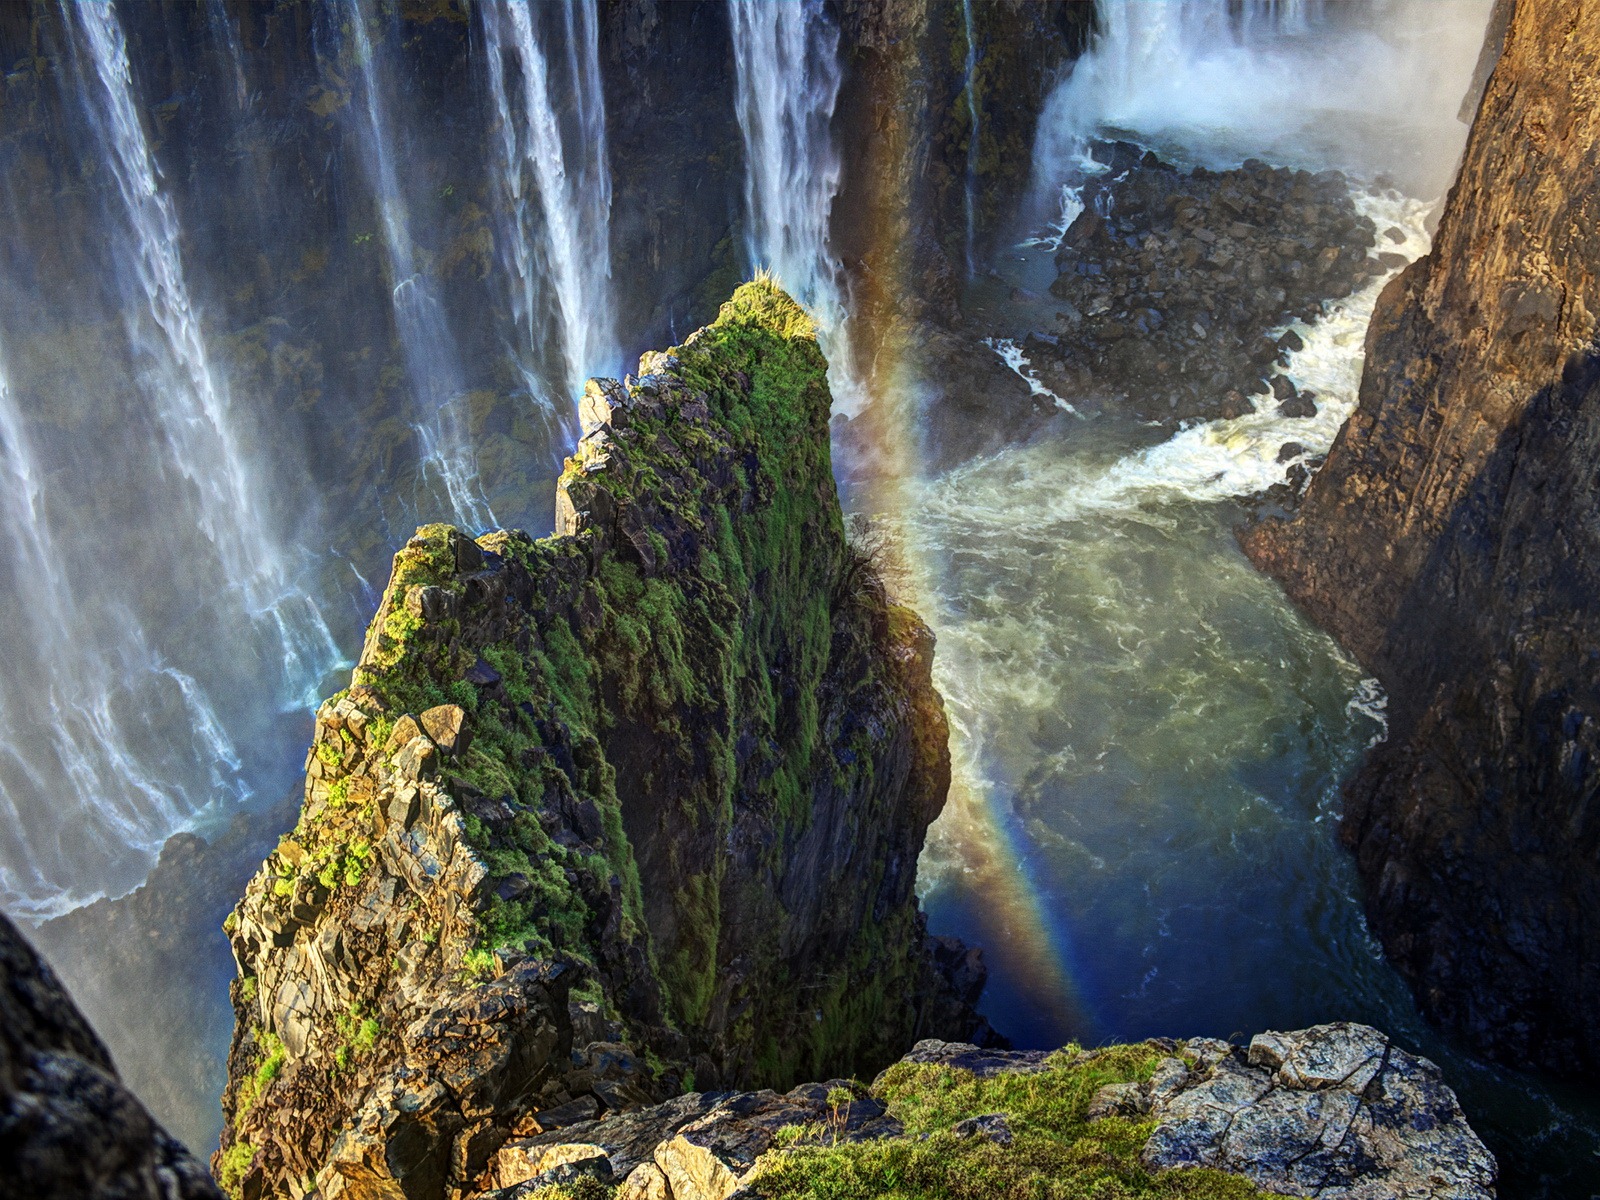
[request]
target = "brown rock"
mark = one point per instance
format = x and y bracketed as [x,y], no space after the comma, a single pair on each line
[1452,542]
[446,724]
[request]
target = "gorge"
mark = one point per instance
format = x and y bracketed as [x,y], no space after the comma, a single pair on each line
[1102,292]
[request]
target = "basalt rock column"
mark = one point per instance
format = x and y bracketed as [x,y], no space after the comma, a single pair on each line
[1453,543]
[632,807]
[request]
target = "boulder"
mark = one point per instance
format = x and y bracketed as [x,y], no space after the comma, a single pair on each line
[446,725]
[1335,1111]
[69,1130]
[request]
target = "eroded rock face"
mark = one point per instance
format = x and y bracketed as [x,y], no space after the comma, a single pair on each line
[636,802]
[1451,543]
[69,1130]
[1334,1111]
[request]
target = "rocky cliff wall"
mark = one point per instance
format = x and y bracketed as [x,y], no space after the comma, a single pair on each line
[602,815]
[69,1129]
[906,122]
[1452,543]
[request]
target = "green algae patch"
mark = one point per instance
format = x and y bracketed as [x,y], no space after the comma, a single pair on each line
[1055,1152]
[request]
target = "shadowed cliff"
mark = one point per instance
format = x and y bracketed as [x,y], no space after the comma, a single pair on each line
[1451,543]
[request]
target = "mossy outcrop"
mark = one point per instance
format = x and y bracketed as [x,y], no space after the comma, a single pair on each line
[1335,1111]
[602,815]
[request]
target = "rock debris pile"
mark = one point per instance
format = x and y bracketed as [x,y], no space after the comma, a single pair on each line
[1176,287]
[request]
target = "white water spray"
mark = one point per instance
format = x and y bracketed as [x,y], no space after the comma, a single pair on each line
[188,393]
[431,362]
[787,58]
[75,795]
[555,184]
[1369,86]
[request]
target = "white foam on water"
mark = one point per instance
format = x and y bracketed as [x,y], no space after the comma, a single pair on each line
[1223,459]
[1013,356]
[1372,702]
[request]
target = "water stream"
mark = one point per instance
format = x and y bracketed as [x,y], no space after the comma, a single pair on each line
[421,325]
[554,179]
[787,60]
[969,92]
[1149,739]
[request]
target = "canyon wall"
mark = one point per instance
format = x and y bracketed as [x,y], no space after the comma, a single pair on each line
[628,809]
[1453,543]
[907,119]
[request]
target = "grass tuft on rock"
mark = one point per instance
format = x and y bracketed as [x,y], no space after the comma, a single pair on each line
[1055,1155]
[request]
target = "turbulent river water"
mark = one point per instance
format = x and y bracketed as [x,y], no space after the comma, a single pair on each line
[1150,741]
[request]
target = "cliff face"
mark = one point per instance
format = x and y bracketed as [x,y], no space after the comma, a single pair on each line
[655,786]
[915,139]
[1453,543]
[68,1127]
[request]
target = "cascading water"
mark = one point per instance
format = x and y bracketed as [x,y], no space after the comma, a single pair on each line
[113,745]
[787,60]
[448,456]
[1364,86]
[189,393]
[72,712]
[555,188]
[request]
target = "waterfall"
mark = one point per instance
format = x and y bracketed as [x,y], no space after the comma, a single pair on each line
[555,186]
[189,394]
[787,61]
[222,28]
[970,91]
[110,746]
[1367,86]
[77,798]
[432,366]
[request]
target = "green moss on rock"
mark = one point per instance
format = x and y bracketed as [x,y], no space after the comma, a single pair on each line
[685,745]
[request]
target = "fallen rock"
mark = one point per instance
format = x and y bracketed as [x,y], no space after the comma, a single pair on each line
[447,726]
[1177,285]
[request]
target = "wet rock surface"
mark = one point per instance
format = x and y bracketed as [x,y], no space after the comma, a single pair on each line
[1175,286]
[1450,543]
[69,1129]
[1334,1111]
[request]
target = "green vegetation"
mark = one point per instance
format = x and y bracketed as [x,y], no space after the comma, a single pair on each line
[357,1036]
[232,1164]
[1055,1154]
